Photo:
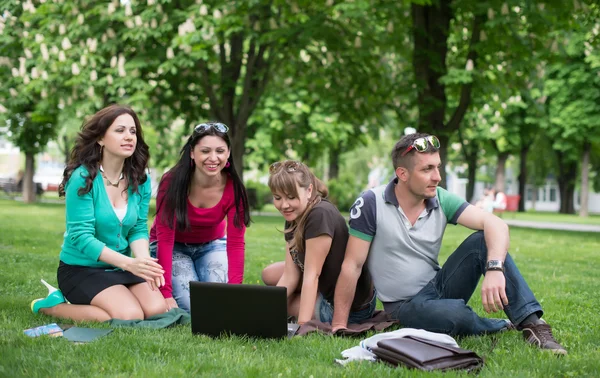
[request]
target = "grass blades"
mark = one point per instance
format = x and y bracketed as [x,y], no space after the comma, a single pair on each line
[560,267]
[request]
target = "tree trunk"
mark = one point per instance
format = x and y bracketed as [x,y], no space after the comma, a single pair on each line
[238,139]
[585,168]
[430,29]
[523,177]
[567,187]
[567,172]
[534,192]
[66,149]
[471,175]
[28,185]
[444,158]
[430,33]
[334,163]
[501,172]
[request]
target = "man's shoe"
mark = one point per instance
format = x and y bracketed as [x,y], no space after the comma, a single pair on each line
[540,335]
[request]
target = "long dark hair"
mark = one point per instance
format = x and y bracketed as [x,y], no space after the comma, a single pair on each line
[283,179]
[174,204]
[87,151]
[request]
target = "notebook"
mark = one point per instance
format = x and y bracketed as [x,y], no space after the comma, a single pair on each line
[250,310]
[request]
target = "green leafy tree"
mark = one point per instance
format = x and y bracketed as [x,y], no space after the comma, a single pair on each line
[182,62]
[573,91]
[29,107]
[454,54]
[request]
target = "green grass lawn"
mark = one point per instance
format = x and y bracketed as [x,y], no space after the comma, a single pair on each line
[561,268]
[541,216]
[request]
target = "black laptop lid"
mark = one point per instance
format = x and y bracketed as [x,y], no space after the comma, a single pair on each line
[253,310]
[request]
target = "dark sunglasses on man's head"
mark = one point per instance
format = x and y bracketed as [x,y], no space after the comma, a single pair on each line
[203,127]
[421,144]
[290,166]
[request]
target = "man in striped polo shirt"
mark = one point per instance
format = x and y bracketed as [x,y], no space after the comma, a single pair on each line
[397,230]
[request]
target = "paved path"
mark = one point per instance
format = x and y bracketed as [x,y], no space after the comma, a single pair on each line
[553,225]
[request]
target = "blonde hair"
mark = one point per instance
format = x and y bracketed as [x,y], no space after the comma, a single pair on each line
[285,176]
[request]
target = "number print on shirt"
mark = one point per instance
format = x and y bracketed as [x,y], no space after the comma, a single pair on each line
[355,212]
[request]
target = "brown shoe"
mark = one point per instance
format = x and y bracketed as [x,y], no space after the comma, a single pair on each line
[540,335]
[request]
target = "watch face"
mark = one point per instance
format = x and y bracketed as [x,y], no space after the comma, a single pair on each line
[495,264]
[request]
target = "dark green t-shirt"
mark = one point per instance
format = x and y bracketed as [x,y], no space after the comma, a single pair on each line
[325,219]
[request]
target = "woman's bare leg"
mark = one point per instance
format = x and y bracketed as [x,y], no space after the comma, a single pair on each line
[152,302]
[272,273]
[119,302]
[77,313]
[115,302]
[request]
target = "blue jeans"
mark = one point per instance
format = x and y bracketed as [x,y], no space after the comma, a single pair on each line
[324,310]
[205,262]
[441,306]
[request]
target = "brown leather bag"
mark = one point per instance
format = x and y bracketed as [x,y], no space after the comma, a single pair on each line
[417,353]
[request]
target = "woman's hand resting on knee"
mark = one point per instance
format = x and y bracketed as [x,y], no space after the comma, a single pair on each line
[171,303]
[147,268]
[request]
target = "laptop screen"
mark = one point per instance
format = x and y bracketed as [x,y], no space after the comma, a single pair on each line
[251,310]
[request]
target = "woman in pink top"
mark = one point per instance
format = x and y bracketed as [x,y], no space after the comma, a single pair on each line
[189,236]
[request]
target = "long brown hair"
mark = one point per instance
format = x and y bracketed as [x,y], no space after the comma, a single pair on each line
[87,151]
[284,177]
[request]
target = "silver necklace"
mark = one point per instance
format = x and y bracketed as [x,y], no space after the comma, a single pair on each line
[115,184]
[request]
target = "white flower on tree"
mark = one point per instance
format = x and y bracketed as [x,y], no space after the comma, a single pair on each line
[66,44]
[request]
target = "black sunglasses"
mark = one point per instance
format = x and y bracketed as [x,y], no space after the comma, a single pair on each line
[204,127]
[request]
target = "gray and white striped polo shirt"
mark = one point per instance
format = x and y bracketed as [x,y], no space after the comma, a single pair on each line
[403,258]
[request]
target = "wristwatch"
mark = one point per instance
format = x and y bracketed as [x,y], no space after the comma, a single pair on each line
[495,265]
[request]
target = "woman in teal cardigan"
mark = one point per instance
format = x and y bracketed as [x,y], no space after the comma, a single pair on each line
[105,268]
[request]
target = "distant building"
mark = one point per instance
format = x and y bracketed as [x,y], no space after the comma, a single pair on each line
[10,158]
[547,196]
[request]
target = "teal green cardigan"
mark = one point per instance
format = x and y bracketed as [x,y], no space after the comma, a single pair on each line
[93,224]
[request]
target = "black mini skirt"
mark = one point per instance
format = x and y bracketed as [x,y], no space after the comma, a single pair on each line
[80,284]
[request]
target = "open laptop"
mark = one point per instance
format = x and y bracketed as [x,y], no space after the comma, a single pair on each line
[252,310]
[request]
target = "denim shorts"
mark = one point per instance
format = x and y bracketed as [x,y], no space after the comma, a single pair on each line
[204,262]
[324,310]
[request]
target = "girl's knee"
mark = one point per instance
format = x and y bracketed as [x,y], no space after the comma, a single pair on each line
[272,273]
[127,313]
[154,308]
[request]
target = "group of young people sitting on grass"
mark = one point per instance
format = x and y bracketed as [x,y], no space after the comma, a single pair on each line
[111,267]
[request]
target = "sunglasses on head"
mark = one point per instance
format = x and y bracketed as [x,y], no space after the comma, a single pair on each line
[289,165]
[203,127]
[422,144]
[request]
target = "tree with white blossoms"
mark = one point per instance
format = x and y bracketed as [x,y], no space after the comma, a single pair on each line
[235,49]
[28,106]
[189,60]
[95,54]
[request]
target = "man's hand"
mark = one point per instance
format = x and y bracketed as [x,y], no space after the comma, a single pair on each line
[493,291]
